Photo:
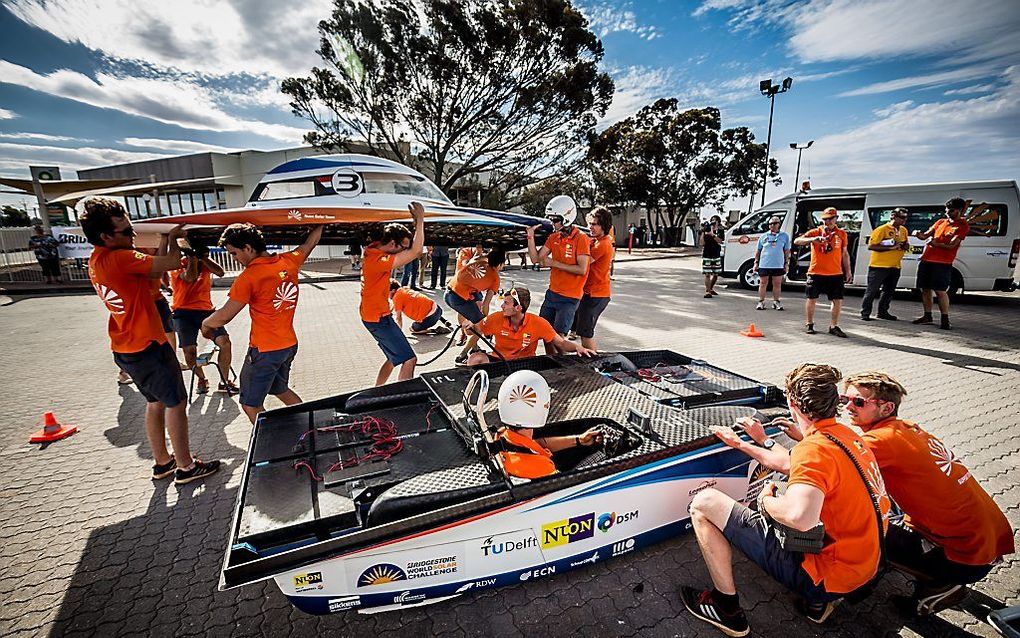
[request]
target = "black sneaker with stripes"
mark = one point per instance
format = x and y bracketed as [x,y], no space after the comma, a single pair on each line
[199,470]
[704,607]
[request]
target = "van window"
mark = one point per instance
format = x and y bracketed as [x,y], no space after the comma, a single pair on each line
[990,221]
[757,223]
[848,220]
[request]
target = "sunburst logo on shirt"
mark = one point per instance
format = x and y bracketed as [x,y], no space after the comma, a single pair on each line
[477,269]
[112,300]
[286,296]
[524,393]
[944,457]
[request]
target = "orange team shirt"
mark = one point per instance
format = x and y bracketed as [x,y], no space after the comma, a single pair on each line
[121,279]
[464,255]
[269,285]
[602,253]
[851,558]
[830,263]
[475,276]
[413,304]
[376,269]
[943,502]
[191,295]
[517,344]
[945,229]
[566,250]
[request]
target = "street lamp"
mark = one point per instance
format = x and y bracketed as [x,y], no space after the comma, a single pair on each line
[770,90]
[800,150]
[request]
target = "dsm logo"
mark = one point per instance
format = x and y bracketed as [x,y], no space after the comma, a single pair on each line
[311,580]
[568,531]
[607,520]
[380,575]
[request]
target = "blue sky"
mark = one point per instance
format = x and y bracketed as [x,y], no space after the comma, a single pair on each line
[892,91]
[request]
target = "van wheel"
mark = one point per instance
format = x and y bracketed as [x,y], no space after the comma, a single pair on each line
[747,277]
[956,289]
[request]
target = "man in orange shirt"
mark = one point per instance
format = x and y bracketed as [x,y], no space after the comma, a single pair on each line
[596,286]
[395,248]
[517,331]
[953,533]
[567,252]
[470,293]
[122,278]
[829,268]
[935,272]
[268,285]
[824,486]
[192,303]
[423,312]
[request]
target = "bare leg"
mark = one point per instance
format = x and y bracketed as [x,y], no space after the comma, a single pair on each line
[710,510]
[926,301]
[777,288]
[478,358]
[384,373]
[225,357]
[588,343]
[943,298]
[708,283]
[809,310]
[763,285]
[252,412]
[177,427]
[837,305]
[712,279]
[288,397]
[172,338]
[190,356]
[155,431]
[407,369]
[471,343]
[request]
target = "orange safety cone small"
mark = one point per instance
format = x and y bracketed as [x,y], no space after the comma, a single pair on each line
[752,331]
[52,430]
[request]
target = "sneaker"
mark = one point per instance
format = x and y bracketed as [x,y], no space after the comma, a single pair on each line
[933,600]
[229,387]
[708,295]
[203,386]
[461,360]
[887,316]
[835,330]
[199,470]
[810,329]
[925,318]
[703,607]
[777,305]
[165,470]
[713,292]
[944,323]
[760,306]
[442,330]
[865,317]
[818,613]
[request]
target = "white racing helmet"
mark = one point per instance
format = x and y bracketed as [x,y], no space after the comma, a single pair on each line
[524,400]
[562,206]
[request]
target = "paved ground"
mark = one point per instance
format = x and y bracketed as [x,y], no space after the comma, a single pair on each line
[89,545]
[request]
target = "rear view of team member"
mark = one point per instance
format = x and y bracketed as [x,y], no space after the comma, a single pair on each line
[829,269]
[935,272]
[122,278]
[517,331]
[394,249]
[424,312]
[954,533]
[471,290]
[567,252]
[192,303]
[596,287]
[268,285]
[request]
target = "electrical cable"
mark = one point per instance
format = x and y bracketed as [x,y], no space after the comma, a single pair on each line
[385,443]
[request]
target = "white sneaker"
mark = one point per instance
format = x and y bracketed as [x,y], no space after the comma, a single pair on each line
[777,305]
[760,306]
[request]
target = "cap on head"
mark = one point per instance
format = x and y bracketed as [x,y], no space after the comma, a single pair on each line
[562,206]
[524,400]
[830,213]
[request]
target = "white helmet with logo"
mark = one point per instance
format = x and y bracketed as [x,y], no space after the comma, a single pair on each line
[562,206]
[524,400]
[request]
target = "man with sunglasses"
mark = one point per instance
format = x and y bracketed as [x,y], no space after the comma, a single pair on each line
[771,262]
[517,331]
[954,533]
[829,269]
[122,278]
[567,252]
[888,243]
[935,271]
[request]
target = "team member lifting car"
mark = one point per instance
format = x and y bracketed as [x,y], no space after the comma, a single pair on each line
[596,286]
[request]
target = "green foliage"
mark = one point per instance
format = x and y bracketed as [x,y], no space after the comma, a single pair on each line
[507,89]
[11,216]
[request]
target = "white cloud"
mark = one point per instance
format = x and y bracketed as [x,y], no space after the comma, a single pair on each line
[21,155]
[608,18]
[637,87]
[963,74]
[169,101]
[177,146]
[7,115]
[40,136]
[972,89]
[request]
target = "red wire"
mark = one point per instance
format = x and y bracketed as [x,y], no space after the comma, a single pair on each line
[385,443]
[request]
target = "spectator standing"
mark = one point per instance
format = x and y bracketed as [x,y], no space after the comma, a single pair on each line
[712,238]
[888,243]
[440,263]
[935,272]
[772,262]
[47,253]
[423,264]
[829,269]
[409,276]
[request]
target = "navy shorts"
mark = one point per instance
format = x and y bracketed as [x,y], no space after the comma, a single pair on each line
[588,313]
[391,340]
[188,323]
[429,321]
[831,286]
[771,272]
[165,316]
[748,531]
[156,373]
[933,276]
[265,373]
[559,311]
[468,309]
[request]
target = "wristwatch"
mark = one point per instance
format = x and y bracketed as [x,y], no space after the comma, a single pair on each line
[768,444]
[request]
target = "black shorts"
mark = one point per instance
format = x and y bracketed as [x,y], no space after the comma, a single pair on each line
[934,276]
[50,267]
[771,272]
[909,551]
[156,373]
[587,315]
[829,285]
[165,315]
[188,323]
[748,531]
[265,373]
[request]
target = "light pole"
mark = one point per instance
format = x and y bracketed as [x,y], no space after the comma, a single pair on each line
[800,150]
[770,90]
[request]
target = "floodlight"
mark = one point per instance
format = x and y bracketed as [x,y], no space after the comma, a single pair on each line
[765,86]
[787,83]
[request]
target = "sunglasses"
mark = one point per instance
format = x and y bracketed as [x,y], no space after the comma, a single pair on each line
[512,293]
[127,232]
[860,402]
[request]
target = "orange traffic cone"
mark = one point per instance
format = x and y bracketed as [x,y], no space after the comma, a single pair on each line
[752,331]
[52,430]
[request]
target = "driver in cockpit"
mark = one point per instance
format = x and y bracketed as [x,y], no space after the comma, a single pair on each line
[523,409]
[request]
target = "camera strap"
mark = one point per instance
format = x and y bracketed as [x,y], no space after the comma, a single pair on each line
[875,503]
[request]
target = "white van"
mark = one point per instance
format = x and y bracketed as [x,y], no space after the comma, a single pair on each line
[987,257]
